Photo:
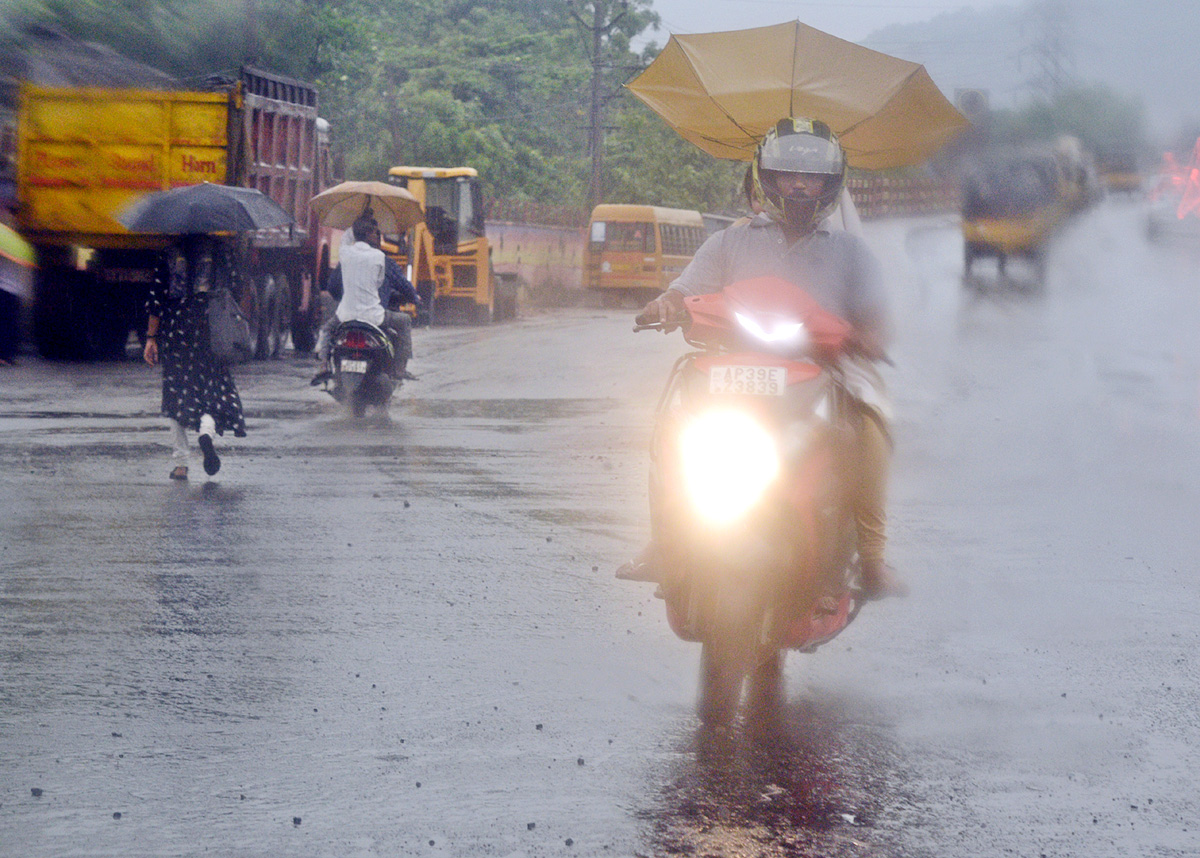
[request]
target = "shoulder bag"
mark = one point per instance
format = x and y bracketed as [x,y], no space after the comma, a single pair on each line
[228,329]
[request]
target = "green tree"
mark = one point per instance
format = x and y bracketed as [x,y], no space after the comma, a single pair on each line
[504,86]
[651,164]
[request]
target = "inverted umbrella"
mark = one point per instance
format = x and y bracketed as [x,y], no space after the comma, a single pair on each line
[723,91]
[396,210]
[204,208]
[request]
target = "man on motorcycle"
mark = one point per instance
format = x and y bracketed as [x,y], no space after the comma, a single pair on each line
[798,174]
[364,279]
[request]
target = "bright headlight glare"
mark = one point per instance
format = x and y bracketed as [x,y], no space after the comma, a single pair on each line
[728,460]
[781,332]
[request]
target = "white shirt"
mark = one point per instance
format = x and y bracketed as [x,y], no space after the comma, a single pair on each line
[362,275]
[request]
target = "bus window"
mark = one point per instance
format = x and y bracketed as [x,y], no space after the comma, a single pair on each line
[679,240]
[623,237]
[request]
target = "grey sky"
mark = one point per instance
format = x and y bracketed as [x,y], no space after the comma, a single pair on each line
[853,20]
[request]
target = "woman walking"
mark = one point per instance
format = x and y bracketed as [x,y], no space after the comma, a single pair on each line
[198,392]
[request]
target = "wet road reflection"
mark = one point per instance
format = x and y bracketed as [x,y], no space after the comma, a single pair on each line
[202,559]
[809,779]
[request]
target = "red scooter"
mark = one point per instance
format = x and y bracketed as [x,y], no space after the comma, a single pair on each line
[750,461]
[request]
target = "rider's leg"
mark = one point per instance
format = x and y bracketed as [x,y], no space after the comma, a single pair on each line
[400,325]
[325,343]
[869,500]
[328,308]
[648,564]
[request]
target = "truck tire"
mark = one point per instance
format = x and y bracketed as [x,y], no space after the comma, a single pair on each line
[107,317]
[54,317]
[304,323]
[250,303]
[425,290]
[277,316]
[482,314]
[75,316]
[304,333]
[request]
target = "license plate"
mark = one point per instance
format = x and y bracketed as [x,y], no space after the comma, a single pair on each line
[754,380]
[354,366]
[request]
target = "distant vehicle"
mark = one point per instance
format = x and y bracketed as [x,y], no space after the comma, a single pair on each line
[1120,173]
[86,153]
[1173,203]
[1013,200]
[1009,207]
[637,251]
[1165,224]
[448,254]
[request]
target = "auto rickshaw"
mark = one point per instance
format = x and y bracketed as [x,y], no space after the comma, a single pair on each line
[1010,206]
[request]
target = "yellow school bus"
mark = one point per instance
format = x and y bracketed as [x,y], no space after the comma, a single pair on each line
[638,250]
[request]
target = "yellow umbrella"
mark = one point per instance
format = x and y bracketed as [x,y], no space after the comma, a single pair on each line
[723,91]
[396,210]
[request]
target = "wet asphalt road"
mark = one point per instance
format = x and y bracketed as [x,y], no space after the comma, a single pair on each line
[403,638]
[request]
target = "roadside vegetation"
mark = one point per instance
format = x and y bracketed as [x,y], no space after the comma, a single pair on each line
[506,86]
[513,88]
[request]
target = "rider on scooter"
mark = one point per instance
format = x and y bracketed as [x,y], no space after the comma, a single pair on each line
[798,174]
[364,281]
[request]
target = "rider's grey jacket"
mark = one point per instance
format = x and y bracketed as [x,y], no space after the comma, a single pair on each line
[835,267]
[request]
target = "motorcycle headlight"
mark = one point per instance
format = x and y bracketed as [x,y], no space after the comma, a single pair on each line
[728,461]
[780,333]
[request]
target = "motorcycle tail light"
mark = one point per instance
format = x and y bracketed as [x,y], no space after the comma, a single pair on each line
[355,340]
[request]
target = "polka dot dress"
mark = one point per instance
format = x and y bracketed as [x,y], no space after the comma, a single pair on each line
[194,382]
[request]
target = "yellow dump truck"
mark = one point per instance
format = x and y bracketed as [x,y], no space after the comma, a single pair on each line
[84,154]
[448,254]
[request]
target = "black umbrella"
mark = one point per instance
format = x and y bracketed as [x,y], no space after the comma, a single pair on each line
[204,208]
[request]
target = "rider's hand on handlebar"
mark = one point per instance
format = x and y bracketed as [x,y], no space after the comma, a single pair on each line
[666,310]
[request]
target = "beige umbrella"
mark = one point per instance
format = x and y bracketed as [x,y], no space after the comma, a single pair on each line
[396,210]
[723,91]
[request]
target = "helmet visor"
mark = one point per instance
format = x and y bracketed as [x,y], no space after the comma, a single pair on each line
[801,153]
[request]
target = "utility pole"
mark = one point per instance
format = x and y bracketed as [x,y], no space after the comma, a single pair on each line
[252,57]
[606,15]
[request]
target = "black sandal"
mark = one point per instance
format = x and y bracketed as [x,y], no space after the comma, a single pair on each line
[179,473]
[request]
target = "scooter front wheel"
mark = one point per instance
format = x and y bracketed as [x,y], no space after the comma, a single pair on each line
[721,675]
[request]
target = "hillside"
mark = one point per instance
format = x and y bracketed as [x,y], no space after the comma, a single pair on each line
[1147,49]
